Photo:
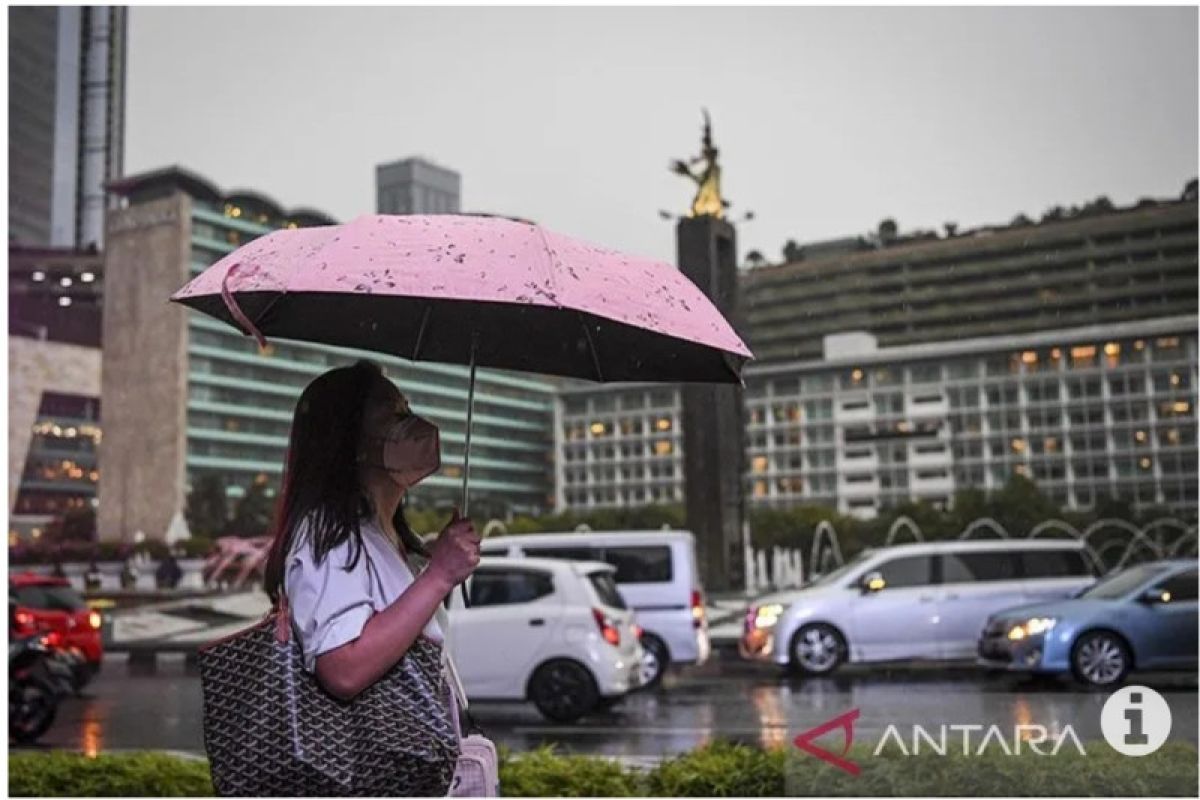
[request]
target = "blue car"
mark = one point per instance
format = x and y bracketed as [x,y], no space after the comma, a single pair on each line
[1143,617]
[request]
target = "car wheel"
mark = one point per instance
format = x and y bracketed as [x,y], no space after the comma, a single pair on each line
[817,649]
[656,661]
[1101,658]
[563,691]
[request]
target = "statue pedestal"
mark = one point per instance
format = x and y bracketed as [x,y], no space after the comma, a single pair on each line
[712,418]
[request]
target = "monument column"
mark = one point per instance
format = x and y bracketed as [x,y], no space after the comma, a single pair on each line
[712,416]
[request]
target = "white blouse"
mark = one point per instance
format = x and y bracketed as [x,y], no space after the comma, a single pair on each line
[330,605]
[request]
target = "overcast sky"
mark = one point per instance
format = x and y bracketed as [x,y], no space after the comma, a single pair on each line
[828,120]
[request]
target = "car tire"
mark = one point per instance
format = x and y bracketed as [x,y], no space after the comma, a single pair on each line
[817,649]
[563,690]
[1101,659]
[658,658]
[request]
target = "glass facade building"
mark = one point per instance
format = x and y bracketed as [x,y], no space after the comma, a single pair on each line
[1087,413]
[66,124]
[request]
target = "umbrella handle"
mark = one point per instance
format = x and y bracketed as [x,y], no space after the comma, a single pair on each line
[235,310]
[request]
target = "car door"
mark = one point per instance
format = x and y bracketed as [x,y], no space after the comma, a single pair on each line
[975,584]
[1168,627]
[496,642]
[898,620]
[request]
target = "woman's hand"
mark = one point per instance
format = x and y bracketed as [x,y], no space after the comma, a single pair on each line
[455,553]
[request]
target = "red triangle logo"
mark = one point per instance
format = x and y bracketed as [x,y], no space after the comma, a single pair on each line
[844,722]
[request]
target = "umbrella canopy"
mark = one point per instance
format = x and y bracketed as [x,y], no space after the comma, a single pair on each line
[485,291]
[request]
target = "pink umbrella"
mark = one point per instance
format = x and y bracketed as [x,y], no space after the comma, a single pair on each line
[473,290]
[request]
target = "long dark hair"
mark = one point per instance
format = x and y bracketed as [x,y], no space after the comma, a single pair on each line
[321,482]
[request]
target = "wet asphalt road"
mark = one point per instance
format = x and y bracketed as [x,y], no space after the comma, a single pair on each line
[126,710]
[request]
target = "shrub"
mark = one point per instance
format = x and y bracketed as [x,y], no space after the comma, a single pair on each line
[59,774]
[720,769]
[544,773]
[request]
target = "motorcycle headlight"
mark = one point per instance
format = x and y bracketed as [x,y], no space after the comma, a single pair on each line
[1031,627]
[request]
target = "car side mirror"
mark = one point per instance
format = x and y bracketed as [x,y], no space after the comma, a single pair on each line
[1155,597]
[872,582]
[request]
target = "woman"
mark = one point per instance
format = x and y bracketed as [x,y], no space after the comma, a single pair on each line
[343,555]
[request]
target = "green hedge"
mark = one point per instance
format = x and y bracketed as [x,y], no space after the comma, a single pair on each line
[59,774]
[717,770]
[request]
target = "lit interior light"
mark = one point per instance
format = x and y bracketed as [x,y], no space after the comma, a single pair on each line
[87,277]
[1145,463]
[64,301]
[65,281]
[38,275]
[1174,378]
[1029,357]
[1140,436]
[1112,349]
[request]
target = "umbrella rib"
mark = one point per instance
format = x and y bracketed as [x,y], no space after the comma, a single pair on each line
[421,332]
[591,348]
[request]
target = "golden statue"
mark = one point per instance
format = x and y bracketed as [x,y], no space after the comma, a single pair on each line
[708,201]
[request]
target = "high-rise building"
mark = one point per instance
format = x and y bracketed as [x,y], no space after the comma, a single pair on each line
[416,186]
[1101,405]
[66,121]
[187,396]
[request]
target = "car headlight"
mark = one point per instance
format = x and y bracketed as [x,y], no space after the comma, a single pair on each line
[1031,627]
[766,616]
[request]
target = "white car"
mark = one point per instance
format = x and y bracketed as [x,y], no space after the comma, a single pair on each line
[657,576]
[553,632]
[917,601]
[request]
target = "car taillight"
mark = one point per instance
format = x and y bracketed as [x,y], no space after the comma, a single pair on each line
[637,631]
[697,608]
[607,629]
[23,618]
[52,639]
[95,620]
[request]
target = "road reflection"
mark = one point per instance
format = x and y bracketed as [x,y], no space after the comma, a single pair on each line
[729,700]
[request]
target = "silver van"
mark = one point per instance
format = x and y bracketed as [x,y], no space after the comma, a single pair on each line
[657,576]
[927,600]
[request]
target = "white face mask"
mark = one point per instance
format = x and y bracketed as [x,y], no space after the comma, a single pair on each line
[410,450]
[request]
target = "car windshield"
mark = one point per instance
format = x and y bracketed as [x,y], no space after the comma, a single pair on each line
[1123,582]
[830,577]
[53,598]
